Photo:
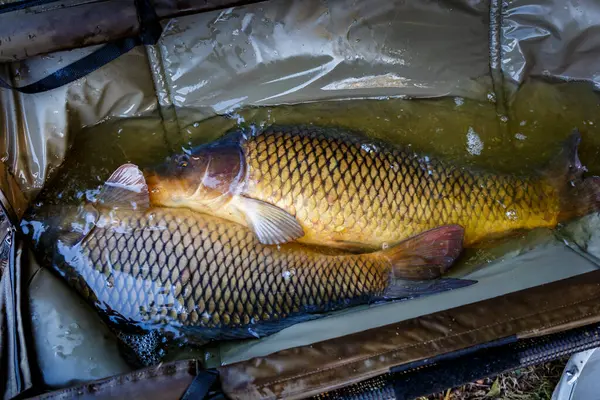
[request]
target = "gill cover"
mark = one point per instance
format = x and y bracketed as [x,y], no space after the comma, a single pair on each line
[201,179]
[211,179]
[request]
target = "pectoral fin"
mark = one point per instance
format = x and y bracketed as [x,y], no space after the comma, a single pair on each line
[426,256]
[270,224]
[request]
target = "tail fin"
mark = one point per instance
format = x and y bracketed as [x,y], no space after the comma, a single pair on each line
[580,199]
[566,166]
[427,255]
[578,195]
[411,289]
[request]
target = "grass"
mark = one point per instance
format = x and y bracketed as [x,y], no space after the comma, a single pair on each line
[530,383]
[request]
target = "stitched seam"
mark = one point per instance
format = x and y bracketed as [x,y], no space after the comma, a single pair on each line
[423,343]
[565,321]
[112,382]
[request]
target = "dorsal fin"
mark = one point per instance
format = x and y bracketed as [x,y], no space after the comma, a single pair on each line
[126,188]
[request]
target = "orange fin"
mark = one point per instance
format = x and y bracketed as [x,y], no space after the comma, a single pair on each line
[578,195]
[427,255]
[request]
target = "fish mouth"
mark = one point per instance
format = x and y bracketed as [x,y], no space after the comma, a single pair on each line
[166,190]
[154,175]
[158,179]
[153,182]
[152,179]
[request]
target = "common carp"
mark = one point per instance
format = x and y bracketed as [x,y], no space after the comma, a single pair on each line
[341,189]
[163,267]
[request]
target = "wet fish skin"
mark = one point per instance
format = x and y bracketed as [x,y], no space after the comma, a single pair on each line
[201,274]
[205,272]
[346,190]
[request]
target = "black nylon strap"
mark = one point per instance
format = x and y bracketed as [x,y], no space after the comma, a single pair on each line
[23,4]
[78,69]
[150,31]
[150,28]
[201,384]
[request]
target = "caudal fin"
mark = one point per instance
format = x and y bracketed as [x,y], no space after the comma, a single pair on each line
[578,195]
[427,255]
[566,166]
[580,199]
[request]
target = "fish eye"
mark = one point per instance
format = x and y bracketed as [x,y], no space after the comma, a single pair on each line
[183,161]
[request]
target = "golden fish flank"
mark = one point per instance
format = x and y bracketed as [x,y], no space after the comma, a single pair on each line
[330,187]
[211,277]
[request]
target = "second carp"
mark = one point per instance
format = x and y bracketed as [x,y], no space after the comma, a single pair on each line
[175,269]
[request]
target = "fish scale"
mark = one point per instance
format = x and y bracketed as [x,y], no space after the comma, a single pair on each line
[344,187]
[213,291]
[149,267]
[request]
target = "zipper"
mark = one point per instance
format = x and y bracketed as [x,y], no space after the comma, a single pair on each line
[408,381]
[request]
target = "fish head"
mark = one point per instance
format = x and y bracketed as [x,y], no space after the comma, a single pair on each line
[202,179]
[53,228]
[58,232]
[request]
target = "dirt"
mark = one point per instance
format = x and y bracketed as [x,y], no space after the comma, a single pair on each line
[530,383]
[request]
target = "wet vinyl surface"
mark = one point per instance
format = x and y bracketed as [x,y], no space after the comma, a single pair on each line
[519,139]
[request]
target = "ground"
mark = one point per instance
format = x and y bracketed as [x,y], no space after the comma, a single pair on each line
[531,383]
